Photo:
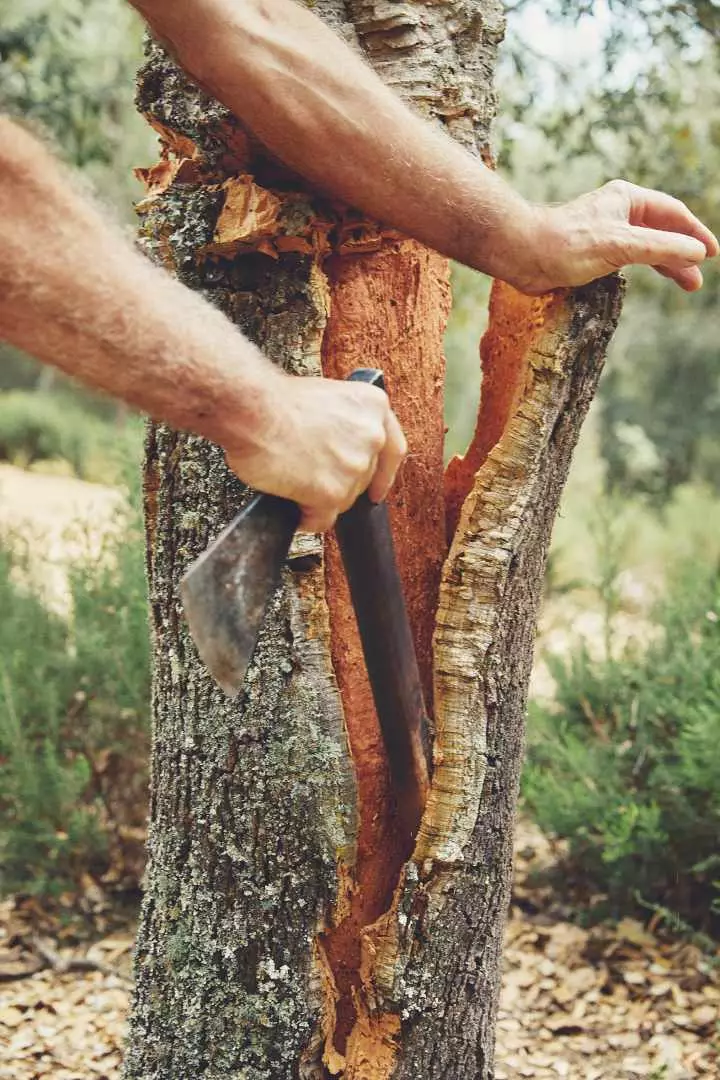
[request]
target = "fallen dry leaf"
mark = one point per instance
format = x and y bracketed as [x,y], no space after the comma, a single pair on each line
[601,1004]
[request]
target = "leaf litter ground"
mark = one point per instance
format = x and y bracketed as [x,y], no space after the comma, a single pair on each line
[615,1002]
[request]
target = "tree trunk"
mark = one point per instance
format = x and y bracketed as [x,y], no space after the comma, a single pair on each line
[286,930]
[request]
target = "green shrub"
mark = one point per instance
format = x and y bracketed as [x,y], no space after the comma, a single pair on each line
[72,696]
[38,426]
[626,766]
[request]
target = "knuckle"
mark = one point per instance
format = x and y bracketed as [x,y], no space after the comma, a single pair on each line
[356,465]
[365,392]
[331,493]
[339,491]
[679,203]
[348,500]
[619,247]
[620,192]
[378,437]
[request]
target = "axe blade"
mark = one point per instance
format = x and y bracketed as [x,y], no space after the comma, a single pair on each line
[226,591]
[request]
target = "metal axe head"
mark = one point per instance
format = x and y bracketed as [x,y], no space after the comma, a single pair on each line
[226,590]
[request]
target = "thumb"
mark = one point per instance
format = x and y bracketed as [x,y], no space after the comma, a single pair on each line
[655,247]
[688,278]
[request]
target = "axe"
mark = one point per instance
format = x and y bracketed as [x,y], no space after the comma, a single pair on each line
[226,591]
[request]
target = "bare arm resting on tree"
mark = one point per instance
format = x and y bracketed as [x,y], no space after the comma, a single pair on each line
[75,293]
[313,101]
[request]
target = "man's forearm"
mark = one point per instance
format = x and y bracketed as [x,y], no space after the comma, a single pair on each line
[75,293]
[323,111]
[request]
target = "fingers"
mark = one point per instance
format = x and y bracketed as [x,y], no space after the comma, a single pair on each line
[654,247]
[617,225]
[689,279]
[661,232]
[656,210]
[359,447]
[389,459]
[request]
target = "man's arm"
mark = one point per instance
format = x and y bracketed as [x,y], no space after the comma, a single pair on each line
[314,103]
[76,294]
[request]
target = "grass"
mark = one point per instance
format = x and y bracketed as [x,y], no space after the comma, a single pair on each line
[55,432]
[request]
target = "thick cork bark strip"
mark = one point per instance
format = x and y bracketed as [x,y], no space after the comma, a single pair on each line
[431,963]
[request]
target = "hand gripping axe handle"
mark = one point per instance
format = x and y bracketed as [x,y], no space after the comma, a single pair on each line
[227,589]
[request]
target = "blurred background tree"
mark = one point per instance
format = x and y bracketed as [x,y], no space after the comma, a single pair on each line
[68,68]
[637,98]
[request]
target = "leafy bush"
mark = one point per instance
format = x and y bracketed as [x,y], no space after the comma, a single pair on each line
[36,426]
[74,702]
[626,766]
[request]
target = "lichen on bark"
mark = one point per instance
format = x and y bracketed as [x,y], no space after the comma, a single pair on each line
[253,804]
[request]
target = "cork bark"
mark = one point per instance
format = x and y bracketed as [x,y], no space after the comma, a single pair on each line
[286,931]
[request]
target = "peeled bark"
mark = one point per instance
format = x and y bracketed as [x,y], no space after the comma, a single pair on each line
[286,930]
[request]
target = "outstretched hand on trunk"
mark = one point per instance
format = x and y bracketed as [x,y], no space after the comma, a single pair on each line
[615,226]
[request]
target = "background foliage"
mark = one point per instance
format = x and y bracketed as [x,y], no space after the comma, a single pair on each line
[626,761]
[67,68]
[74,702]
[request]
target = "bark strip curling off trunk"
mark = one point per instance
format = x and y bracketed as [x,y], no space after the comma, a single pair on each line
[286,931]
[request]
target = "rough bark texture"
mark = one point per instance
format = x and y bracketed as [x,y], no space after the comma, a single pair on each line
[285,933]
[456,897]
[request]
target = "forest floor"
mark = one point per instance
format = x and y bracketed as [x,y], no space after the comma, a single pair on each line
[615,1002]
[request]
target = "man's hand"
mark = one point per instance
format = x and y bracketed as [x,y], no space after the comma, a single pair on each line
[617,225]
[331,441]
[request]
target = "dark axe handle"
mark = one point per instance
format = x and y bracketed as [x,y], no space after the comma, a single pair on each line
[368,555]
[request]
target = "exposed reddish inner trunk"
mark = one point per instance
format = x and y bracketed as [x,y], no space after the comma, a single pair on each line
[388,310]
[515,321]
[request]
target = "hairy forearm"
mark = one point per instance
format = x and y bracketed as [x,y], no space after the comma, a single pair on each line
[323,111]
[76,294]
